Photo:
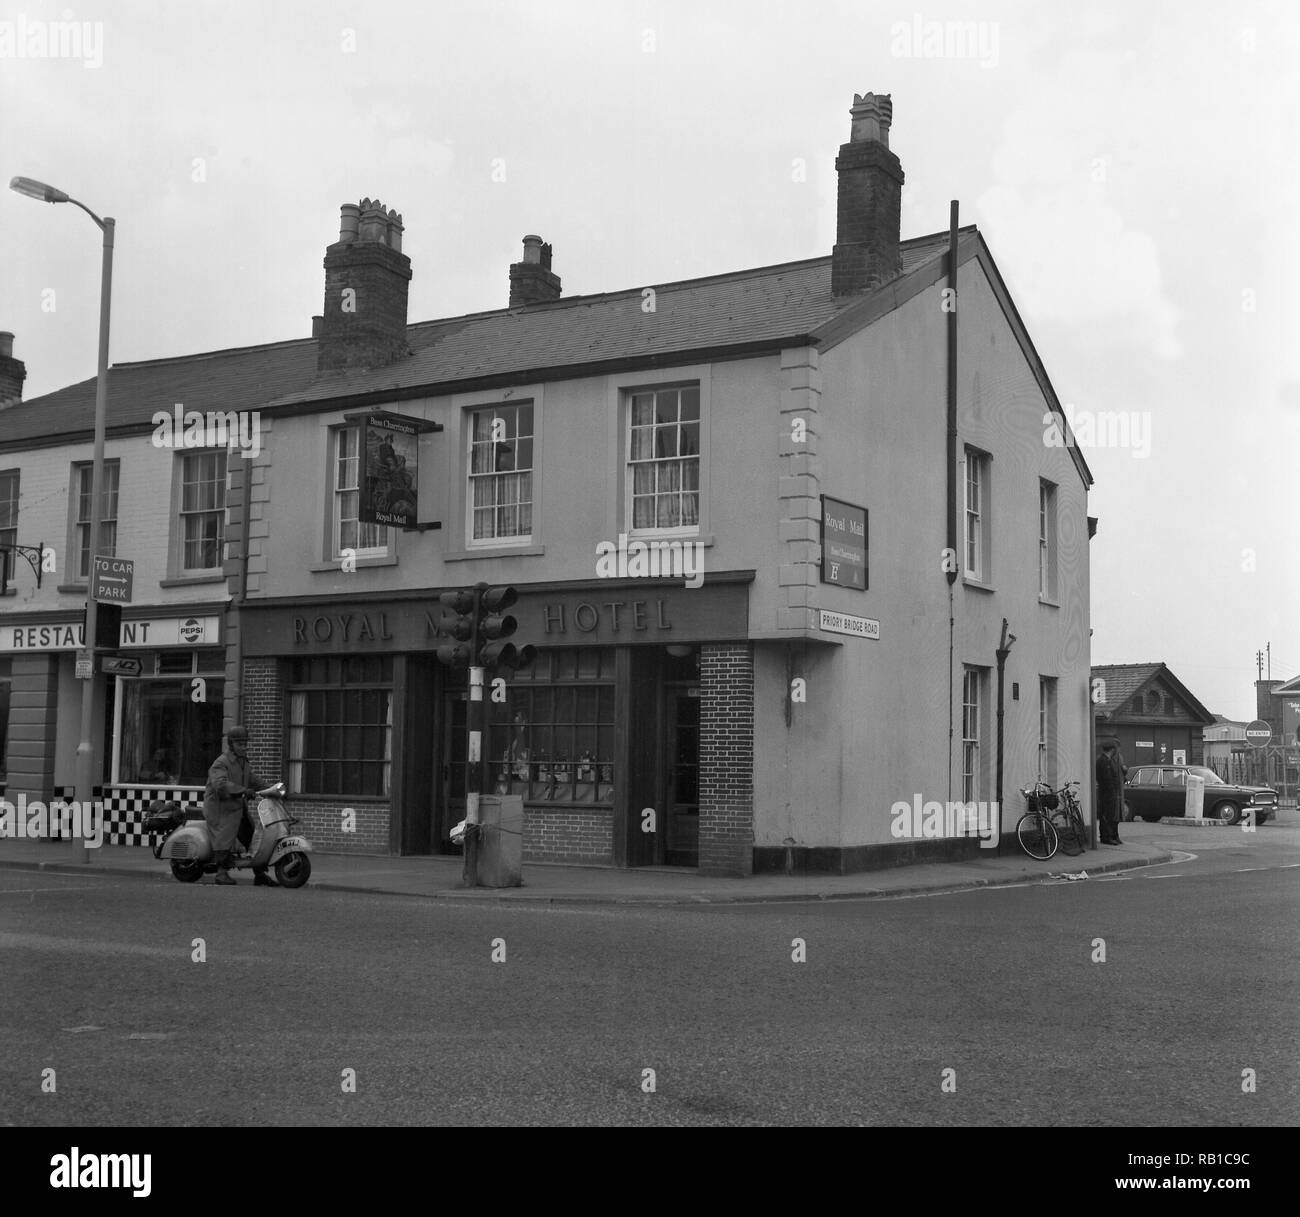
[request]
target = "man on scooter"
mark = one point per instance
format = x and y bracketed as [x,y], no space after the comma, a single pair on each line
[229,779]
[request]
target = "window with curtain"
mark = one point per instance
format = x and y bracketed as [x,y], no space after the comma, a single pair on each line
[340,720]
[664,458]
[367,540]
[501,472]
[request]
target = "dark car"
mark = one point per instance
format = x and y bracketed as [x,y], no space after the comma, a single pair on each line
[1153,791]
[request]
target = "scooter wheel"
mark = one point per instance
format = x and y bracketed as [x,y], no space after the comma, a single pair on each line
[187,872]
[293,870]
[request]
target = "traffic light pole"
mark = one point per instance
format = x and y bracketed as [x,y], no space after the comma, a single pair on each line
[474,769]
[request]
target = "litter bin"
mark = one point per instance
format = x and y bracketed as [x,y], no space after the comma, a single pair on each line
[1194,802]
[501,848]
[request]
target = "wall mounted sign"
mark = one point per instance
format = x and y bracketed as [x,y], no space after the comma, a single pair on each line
[389,475]
[846,623]
[137,632]
[844,544]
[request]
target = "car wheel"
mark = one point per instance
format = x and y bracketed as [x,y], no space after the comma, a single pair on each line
[1152,819]
[1229,813]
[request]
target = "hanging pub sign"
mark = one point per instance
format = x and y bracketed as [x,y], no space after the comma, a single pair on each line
[844,544]
[389,477]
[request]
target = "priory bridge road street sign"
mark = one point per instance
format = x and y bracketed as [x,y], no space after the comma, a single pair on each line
[112,580]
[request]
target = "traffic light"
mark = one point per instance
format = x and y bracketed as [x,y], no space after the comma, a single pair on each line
[458,623]
[494,625]
[477,618]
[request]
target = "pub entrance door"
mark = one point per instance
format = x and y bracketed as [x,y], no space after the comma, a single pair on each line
[682,779]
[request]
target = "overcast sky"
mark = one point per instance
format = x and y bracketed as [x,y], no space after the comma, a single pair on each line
[1132,166]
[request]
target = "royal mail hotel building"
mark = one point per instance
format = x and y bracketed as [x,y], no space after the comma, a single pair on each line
[714,414]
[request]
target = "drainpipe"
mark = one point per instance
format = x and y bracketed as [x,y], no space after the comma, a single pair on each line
[238,605]
[952,464]
[1004,649]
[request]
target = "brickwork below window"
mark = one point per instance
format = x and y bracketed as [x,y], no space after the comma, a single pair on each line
[568,836]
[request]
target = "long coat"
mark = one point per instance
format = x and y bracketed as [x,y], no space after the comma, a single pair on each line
[1110,786]
[223,809]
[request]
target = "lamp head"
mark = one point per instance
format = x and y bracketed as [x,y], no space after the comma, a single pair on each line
[37,190]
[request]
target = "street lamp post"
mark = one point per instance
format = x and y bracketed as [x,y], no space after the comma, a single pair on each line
[89,690]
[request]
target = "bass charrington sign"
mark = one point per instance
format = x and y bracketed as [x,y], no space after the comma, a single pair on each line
[390,477]
[844,544]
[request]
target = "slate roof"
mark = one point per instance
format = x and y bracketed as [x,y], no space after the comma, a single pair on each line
[763,305]
[1124,681]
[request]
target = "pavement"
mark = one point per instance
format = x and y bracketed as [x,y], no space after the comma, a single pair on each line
[551,883]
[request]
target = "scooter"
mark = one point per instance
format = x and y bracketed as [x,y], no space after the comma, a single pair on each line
[188,846]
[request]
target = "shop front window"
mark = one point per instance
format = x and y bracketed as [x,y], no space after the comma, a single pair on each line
[341,726]
[552,739]
[166,737]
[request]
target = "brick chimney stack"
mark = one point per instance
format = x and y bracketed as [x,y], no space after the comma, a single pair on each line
[531,281]
[12,372]
[870,199]
[366,282]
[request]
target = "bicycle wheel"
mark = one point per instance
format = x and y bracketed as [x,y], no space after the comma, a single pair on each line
[1080,828]
[1036,835]
[1070,838]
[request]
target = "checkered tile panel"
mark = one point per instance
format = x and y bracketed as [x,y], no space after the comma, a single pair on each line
[125,808]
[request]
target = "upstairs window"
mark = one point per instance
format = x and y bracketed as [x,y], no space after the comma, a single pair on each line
[977,515]
[366,540]
[1046,541]
[8,510]
[203,509]
[501,473]
[83,476]
[664,459]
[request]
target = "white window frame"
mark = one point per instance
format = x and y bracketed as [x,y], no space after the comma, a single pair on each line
[107,525]
[182,516]
[515,539]
[972,727]
[335,499]
[975,530]
[1047,758]
[1047,541]
[630,394]
[17,475]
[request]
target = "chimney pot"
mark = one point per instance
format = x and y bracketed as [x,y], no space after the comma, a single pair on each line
[872,114]
[317,324]
[6,345]
[349,217]
[533,249]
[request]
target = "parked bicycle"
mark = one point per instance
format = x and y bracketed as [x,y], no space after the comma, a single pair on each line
[1053,821]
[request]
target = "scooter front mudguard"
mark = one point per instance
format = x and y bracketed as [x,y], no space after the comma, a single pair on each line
[289,845]
[188,844]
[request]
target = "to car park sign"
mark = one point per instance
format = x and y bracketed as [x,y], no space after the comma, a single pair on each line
[1258,734]
[112,580]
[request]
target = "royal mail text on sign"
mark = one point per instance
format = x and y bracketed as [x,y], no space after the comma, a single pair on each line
[844,544]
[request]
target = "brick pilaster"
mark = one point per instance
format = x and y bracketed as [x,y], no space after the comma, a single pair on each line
[799,489]
[726,759]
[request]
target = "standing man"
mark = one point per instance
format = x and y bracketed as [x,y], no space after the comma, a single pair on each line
[1110,793]
[229,779]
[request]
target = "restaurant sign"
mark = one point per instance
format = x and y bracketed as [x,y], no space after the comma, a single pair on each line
[141,632]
